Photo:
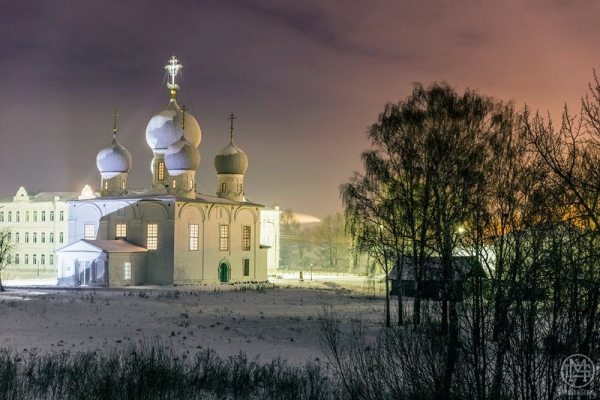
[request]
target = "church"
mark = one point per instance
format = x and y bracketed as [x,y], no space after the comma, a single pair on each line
[168,234]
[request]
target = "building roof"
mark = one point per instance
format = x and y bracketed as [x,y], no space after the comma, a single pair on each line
[108,246]
[42,197]
[464,267]
[162,195]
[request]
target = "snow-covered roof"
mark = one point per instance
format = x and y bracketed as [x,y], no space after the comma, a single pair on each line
[42,197]
[162,195]
[108,246]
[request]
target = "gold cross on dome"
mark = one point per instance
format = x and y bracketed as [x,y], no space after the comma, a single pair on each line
[173,68]
[184,109]
[231,117]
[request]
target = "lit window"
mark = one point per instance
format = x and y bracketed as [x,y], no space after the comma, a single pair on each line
[105,185]
[161,171]
[122,185]
[224,238]
[26,259]
[152,237]
[127,270]
[26,237]
[26,216]
[193,237]
[191,183]
[51,237]
[17,259]
[10,216]
[51,215]
[174,184]
[43,237]
[61,237]
[246,238]
[18,216]
[121,231]
[51,259]
[89,232]
[35,216]
[43,259]
[246,264]
[43,216]
[34,237]
[223,186]
[61,216]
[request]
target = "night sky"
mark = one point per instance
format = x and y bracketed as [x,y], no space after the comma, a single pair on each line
[304,78]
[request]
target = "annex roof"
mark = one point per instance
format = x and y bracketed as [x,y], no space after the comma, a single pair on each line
[107,246]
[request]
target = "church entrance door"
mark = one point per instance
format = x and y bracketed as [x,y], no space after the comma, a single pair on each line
[85,272]
[223,273]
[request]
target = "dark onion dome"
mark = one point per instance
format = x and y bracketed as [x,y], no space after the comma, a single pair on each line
[165,129]
[182,156]
[231,160]
[113,160]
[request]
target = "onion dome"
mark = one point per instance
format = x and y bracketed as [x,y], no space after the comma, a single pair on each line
[182,156]
[113,160]
[165,128]
[231,159]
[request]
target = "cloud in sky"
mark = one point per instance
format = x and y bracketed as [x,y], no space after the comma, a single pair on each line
[305,79]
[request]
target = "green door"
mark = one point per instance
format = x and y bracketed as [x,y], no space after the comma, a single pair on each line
[223,273]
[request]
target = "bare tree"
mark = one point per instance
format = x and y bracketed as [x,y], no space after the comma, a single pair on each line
[7,247]
[332,240]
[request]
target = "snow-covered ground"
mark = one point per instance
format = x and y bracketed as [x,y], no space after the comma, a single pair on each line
[280,319]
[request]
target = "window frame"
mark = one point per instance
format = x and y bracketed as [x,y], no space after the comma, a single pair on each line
[127,271]
[246,266]
[89,231]
[194,236]
[160,173]
[223,237]
[121,230]
[246,238]
[152,236]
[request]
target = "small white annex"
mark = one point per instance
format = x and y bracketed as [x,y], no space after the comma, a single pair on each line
[168,234]
[102,263]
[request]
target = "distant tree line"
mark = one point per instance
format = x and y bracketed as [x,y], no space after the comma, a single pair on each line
[450,175]
[326,245]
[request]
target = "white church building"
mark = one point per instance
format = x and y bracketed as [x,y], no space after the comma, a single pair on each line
[168,234]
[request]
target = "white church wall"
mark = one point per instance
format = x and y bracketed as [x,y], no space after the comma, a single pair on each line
[82,213]
[136,269]
[218,215]
[189,257]
[270,236]
[159,262]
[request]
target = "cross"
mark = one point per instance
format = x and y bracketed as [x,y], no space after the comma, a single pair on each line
[184,109]
[231,117]
[173,67]
[115,115]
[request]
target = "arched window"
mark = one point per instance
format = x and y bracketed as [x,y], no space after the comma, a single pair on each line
[161,170]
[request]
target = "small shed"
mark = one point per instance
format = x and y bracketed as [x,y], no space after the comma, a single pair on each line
[101,263]
[433,286]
